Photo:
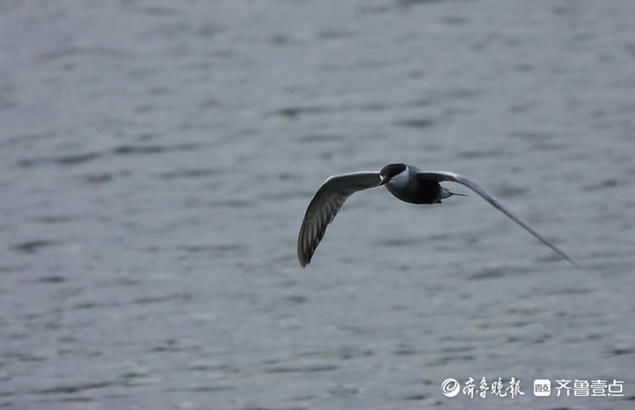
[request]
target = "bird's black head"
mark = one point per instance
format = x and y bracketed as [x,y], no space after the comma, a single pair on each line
[390,171]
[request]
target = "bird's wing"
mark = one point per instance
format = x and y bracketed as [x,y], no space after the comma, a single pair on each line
[325,204]
[453,177]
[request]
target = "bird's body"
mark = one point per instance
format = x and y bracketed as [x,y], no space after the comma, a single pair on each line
[410,186]
[405,182]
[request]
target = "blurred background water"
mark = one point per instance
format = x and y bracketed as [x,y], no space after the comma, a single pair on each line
[157,158]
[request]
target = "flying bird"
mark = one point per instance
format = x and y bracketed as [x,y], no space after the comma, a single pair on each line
[406,182]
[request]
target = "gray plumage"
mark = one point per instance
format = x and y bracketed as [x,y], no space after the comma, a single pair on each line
[325,204]
[405,182]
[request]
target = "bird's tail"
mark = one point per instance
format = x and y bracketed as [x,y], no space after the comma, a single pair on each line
[446,193]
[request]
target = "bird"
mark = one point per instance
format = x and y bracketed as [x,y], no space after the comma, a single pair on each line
[406,182]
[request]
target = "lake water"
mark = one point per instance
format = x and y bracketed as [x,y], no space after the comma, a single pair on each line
[157,158]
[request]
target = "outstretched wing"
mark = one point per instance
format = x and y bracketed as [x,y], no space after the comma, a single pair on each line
[453,177]
[325,204]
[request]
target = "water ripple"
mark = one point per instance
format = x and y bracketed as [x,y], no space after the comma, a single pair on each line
[31,247]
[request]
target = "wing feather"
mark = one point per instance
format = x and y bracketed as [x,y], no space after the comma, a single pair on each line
[325,204]
[453,177]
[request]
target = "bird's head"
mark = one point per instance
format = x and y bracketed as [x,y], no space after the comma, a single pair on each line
[390,171]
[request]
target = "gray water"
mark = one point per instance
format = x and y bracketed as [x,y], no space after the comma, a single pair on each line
[157,159]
